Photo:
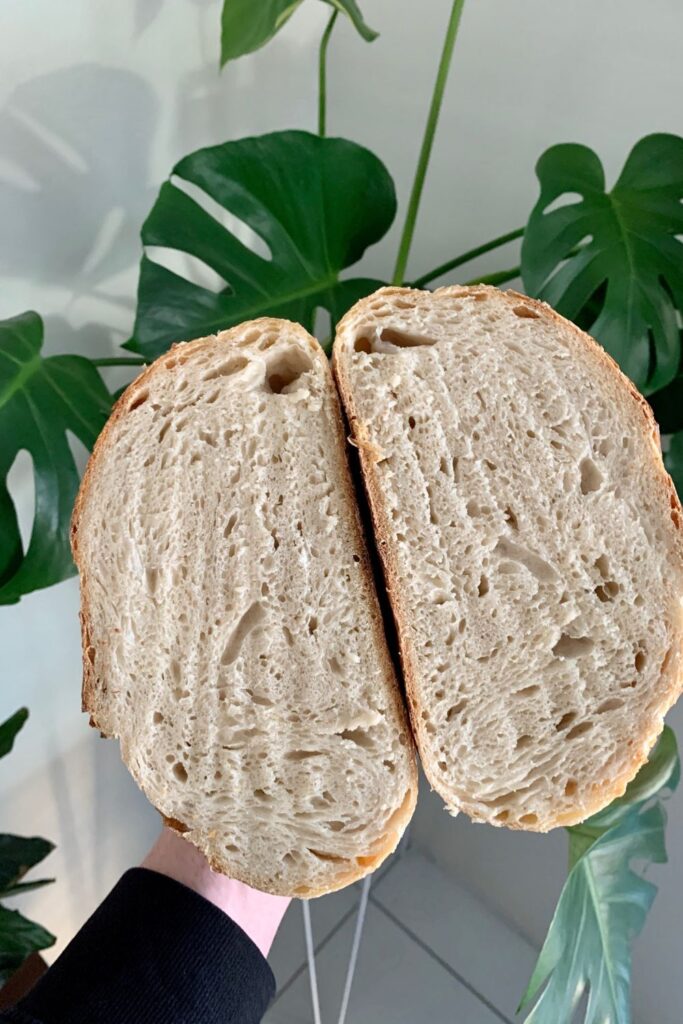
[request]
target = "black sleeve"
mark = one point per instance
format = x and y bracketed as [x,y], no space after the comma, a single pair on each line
[153,953]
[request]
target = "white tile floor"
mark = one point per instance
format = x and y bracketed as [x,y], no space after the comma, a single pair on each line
[430,951]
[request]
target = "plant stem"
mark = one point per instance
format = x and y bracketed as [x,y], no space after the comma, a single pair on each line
[322,74]
[471,254]
[427,142]
[497,277]
[121,361]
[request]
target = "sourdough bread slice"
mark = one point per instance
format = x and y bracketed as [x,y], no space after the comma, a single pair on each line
[232,637]
[531,544]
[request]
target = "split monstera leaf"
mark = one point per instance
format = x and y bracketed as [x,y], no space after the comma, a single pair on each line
[247,25]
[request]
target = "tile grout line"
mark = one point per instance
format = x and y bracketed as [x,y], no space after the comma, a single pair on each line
[439,959]
[480,897]
[384,870]
[304,966]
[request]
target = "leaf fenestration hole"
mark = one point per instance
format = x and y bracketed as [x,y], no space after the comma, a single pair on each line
[228,220]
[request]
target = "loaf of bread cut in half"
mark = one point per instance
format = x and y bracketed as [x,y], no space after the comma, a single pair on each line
[232,636]
[531,543]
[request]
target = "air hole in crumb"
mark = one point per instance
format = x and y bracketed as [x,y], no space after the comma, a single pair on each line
[565,721]
[511,519]
[226,369]
[571,787]
[312,624]
[572,646]
[579,730]
[456,710]
[607,591]
[262,796]
[230,525]
[443,766]
[640,660]
[362,344]
[502,816]
[157,718]
[180,772]
[528,819]
[526,314]
[285,369]
[322,855]
[404,339]
[483,587]
[591,477]
[302,755]
[523,742]
[139,400]
[602,565]
[526,691]
[358,736]
[612,704]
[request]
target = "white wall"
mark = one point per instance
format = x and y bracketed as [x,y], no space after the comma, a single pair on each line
[97,100]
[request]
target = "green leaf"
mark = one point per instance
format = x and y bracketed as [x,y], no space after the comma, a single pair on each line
[604,902]
[352,11]
[40,400]
[602,908]
[247,25]
[667,405]
[629,249]
[18,938]
[18,855]
[673,460]
[10,728]
[21,887]
[317,204]
[661,771]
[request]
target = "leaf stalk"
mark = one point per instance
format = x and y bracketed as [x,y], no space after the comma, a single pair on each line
[427,142]
[322,74]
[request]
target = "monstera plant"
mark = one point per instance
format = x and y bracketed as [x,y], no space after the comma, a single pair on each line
[19,937]
[309,206]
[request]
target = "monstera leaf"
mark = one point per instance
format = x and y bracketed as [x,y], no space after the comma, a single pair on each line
[40,400]
[317,204]
[10,728]
[19,937]
[674,461]
[619,247]
[667,405]
[604,902]
[246,25]
[17,856]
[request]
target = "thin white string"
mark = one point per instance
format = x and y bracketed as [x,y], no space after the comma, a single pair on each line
[357,936]
[310,954]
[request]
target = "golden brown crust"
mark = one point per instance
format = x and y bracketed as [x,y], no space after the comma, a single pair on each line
[178,353]
[602,792]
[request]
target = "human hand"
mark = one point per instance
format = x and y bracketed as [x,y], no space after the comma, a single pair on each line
[257,913]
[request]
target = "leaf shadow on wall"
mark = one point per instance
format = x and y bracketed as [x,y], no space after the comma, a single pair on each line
[147,12]
[74,175]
